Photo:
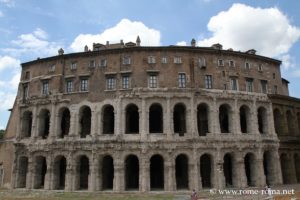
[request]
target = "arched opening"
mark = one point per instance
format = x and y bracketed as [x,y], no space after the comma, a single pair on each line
[40,172]
[156,119]
[290,121]
[245,119]
[205,170]
[224,118]
[249,162]
[202,119]
[181,169]
[268,167]
[179,119]
[277,121]
[107,173]
[297,167]
[108,119]
[85,116]
[157,172]
[26,124]
[286,169]
[262,118]
[59,171]
[22,172]
[132,119]
[298,120]
[227,167]
[44,123]
[132,171]
[84,171]
[64,122]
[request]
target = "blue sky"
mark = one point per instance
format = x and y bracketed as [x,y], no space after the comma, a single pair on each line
[34,28]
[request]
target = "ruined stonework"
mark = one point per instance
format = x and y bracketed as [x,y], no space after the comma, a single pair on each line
[124,117]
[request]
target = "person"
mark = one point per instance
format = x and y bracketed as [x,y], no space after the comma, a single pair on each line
[194,195]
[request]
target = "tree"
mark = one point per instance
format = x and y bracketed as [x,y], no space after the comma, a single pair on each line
[2,133]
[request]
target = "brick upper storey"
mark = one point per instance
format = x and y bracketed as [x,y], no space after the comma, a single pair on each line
[119,67]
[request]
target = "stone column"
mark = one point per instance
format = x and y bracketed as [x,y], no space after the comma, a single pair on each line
[271,127]
[214,118]
[194,173]
[142,121]
[218,173]
[292,169]
[284,123]
[94,171]
[74,123]
[254,118]
[52,125]
[238,172]
[93,122]
[119,185]
[236,126]
[192,121]
[145,175]
[30,174]
[168,120]
[170,180]
[49,174]
[35,131]
[260,178]
[118,118]
[276,174]
[70,174]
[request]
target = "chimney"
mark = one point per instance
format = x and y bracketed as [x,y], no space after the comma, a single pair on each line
[193,42]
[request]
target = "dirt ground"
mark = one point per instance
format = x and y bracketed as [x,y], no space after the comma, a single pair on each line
[21,194]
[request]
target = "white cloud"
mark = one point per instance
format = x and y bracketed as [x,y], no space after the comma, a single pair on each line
[8,3]
[126,30]
[287,61]
[181,43]
[14,82]
[1,14]
[33,43]
[243,27]
[7,62]
[7,100]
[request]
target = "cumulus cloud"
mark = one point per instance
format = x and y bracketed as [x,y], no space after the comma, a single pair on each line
[7,62]
[244,27]
[33,43]
[125,29]
[287,61]
[181,43]
[6,100]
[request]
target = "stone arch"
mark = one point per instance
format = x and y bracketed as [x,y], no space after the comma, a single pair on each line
[245,119]
[286,169]
[290,122]
[85,120]
[250,169]
[262,118]
[155,118]
[181,172]
[40,172]
[225,118]
[277,121]
[179,119]
[228,169]
[206,166]
[44,123]
[22,169]
[202,119]
[64,118]
[132,119]
[156,172]
[82,172]
[297,166]
[107,172]
[26,124]
[132,171]
[59,172]
[108,119]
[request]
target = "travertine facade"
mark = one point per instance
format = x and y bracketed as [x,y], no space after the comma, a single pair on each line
[125,117]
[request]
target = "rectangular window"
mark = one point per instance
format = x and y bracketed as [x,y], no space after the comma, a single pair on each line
[249,85]
[125,82]
[103,62]
[52,68]
[164,60]
[225,86]
[73,66]
[92,64]
[69,86]
[45,89]
[201,62]
[231,63]
[84,85]
[220,62]
[25,91]
[111,83]
[181,80]
[152,81]
[247,66]
[126,60]
[260,67]
[27,75]
[275,89]
[264,85]
[208,81]
[233,84]
[274,75]
[177,60]
[151,59]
